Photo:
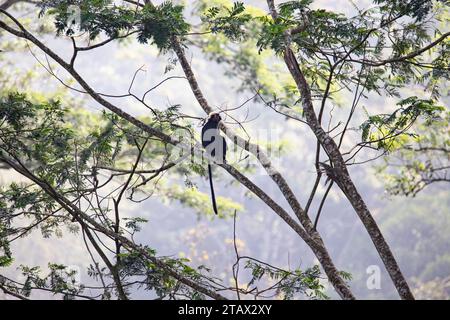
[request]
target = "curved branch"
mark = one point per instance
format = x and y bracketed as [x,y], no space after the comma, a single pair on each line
[344,180]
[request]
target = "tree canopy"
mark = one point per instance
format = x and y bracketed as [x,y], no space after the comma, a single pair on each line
[313,67]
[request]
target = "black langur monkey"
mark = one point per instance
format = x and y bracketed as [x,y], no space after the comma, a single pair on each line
[215,145]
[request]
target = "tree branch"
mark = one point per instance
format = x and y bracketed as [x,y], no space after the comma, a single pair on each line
[335,156]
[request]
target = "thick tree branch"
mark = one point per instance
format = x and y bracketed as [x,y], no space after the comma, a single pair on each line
[344,180]
[402,58]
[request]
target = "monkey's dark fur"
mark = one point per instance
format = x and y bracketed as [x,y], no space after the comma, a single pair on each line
[216,146]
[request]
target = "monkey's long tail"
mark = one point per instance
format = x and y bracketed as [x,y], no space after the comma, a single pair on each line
[213,196]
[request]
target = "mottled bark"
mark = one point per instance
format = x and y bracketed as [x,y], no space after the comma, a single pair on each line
[344,180]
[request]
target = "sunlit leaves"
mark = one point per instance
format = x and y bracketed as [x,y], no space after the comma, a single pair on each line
[200,202]
[419,161]
[309,29]
[387,130]
[229,21]
[321,37]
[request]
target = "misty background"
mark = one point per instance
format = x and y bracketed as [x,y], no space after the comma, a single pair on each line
[417,229]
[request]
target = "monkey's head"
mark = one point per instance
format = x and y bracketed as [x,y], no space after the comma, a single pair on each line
[214,117]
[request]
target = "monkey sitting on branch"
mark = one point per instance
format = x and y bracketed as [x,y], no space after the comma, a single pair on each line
[215,145]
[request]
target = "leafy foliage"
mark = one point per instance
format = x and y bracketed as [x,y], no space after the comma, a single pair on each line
[37,136]
[61,280]
[161,23]
[155,24]
[378,50]
[321,38]
[5,250]
[231,23]
[289,283]
[153,278]
[419,161]
[415,8]
[385,130]
[46,141]
[94,17]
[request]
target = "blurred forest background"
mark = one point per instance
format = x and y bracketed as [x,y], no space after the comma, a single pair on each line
[417,226]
